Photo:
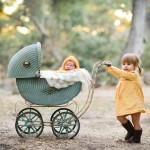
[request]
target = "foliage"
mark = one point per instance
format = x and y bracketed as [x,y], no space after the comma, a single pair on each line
[82,28]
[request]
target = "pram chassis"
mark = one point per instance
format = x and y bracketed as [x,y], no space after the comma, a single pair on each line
[64,122]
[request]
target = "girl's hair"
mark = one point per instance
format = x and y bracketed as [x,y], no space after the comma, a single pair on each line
[133,59]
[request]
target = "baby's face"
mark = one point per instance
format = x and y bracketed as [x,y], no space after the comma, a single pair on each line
[69,65]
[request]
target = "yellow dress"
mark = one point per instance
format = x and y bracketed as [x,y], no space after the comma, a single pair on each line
[129,96]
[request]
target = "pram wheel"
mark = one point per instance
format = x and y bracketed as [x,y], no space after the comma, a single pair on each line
[29,124]
[58,111]
[65,125]
[29,110]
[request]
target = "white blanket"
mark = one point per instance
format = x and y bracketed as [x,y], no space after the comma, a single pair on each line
[64,79]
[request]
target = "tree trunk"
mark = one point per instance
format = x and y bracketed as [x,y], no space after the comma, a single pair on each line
[137,35]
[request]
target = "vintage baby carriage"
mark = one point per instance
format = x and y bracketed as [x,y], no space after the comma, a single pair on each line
[24,66]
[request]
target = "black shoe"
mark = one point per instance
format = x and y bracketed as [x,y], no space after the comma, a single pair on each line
[136,137]
[130,130]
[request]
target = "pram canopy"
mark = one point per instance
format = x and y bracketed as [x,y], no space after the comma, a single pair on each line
[26,62]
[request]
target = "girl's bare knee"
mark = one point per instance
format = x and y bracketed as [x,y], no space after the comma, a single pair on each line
[122,119]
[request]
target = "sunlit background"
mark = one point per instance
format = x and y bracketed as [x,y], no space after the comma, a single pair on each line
[91,30]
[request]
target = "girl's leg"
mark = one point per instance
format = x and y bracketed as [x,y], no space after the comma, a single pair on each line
[122,119]
[136,121]
[127,125]
[137,129]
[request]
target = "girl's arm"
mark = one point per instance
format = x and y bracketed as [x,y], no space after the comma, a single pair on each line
[118,73]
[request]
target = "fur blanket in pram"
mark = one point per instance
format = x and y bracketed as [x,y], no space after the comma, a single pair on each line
[61,79]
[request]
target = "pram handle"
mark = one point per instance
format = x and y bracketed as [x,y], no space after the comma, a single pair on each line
[107,63]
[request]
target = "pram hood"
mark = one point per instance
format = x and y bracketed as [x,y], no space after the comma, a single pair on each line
[26,62]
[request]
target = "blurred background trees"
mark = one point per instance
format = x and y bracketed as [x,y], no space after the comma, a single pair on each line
[91,30]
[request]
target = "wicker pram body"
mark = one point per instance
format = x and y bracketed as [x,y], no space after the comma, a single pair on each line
[24,65]
[37,91]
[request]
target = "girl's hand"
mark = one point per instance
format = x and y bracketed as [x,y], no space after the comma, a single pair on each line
[108,63]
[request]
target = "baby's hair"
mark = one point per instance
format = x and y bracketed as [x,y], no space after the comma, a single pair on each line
[132,59]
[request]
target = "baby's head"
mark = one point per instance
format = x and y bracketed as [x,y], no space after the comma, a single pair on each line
[70,63]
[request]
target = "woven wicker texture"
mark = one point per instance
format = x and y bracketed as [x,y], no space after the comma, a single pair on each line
[26,62]
[37,91]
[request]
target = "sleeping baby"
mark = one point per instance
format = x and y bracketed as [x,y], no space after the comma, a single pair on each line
[69,73]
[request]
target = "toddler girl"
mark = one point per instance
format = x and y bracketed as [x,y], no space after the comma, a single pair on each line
[129,96]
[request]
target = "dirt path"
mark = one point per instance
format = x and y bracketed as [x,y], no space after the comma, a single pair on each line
[99,128]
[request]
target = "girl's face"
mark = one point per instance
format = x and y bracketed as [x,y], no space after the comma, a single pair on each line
[128,67]
[69,65]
